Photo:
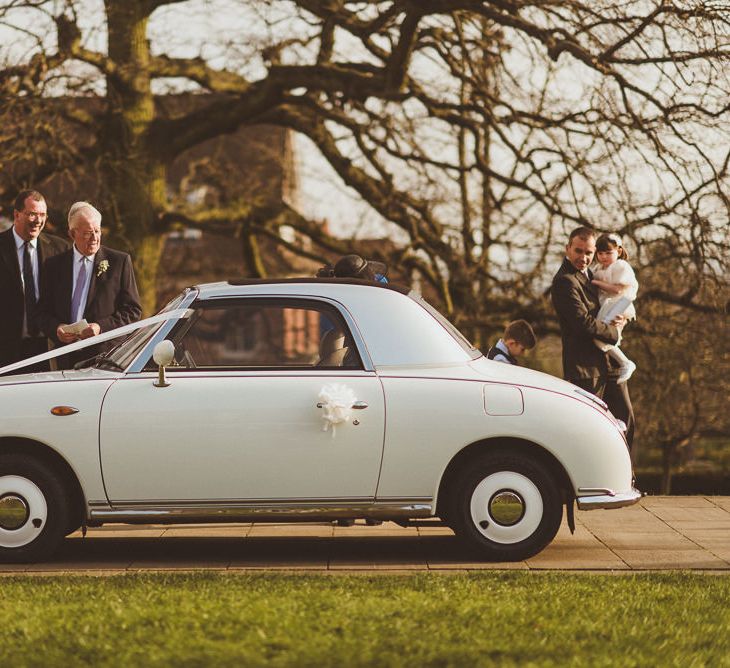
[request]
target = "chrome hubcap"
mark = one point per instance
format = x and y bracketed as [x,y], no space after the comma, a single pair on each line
[23,511]
[13,512]
[507,507]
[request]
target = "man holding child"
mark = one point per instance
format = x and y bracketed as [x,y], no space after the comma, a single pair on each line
[575,299]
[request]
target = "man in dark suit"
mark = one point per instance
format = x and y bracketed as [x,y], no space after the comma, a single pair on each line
[24,252]
[575,299]
[90,282]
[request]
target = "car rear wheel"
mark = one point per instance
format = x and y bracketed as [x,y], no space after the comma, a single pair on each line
[506,506]
[33,514]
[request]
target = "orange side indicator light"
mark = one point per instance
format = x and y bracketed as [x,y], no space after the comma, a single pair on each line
[62,411]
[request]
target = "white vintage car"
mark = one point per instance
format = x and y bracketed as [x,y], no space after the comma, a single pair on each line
[301,399]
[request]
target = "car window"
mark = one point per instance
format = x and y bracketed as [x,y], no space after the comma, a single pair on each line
[264,333]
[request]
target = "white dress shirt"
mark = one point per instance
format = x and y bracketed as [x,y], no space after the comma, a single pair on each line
[499,357]
[89,260]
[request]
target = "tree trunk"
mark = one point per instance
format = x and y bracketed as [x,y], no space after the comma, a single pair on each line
[253,262]
[134,177]
[147,263]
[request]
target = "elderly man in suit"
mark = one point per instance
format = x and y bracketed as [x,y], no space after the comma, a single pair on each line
[90,282]
[24,250]
[575,299]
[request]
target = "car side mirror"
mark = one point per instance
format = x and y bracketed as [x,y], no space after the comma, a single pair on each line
[163,355]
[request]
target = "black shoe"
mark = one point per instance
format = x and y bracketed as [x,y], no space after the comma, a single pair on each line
[345,523]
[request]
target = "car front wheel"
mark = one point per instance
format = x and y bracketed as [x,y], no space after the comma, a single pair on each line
[506,506]
[33,515]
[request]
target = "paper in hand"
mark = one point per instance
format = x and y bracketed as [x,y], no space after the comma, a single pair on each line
[76,327]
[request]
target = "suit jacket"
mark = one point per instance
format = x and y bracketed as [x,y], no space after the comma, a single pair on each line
[113,300]
[575,299]
[12,297]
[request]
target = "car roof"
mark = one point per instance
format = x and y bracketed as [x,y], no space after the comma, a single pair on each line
[307,285]
[394,323]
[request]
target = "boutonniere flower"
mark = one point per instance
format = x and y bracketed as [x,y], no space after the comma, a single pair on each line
[103,266]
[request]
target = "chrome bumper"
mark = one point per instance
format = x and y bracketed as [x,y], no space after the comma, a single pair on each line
[608,500]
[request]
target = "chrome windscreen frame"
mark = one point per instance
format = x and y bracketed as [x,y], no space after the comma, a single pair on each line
[138,364]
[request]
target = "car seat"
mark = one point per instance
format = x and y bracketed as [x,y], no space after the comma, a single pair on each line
[332,348]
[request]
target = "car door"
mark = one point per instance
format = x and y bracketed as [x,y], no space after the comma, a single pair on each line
[240,418]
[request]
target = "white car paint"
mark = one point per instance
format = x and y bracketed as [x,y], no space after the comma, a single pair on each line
[25,410]
[265,440]
[217,444]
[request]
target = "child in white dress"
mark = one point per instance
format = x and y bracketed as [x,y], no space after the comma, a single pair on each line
[617,290]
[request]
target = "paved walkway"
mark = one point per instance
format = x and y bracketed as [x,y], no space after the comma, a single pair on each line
[659,533]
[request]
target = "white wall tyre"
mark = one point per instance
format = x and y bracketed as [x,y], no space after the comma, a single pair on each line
[507,507]
[33,514]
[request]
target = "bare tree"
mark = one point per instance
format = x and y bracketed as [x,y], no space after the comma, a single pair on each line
[685,356]
[480,131]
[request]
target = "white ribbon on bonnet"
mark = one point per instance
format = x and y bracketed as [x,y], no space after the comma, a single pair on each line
[336,401]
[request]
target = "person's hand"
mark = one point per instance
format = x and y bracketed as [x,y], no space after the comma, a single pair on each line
[65,337]
[92,330]
[619,321]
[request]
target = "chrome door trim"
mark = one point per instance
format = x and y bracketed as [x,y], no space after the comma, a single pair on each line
[135,512]
[181,372]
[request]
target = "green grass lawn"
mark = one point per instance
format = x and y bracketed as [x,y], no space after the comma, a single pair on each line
[422,620]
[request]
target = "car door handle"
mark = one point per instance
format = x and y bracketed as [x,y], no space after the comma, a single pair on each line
[358,405]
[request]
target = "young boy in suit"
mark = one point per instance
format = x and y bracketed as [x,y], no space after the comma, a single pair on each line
[518,337]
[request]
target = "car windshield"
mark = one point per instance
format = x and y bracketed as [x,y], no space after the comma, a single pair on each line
[125,353]
[455,333]
[122,355]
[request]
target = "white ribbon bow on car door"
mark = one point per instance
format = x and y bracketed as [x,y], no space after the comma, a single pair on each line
[336,402]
